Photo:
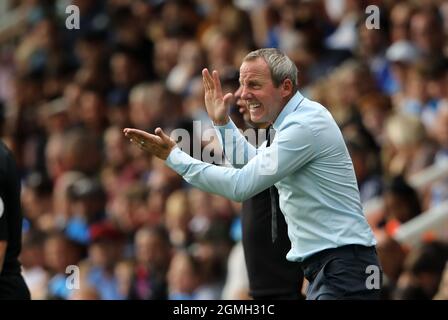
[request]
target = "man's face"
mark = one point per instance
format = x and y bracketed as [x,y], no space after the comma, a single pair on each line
[241,104]
[262,99]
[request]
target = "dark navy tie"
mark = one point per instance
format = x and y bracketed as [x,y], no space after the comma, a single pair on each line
[272,192]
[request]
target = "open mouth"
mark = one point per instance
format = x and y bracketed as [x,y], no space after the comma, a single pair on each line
[253,105]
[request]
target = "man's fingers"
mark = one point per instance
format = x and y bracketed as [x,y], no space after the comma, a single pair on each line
[162,135]
[142,138]
[129,131]
[204,81]
[228,98]
[137,140]
[208,81]
[135,136]
[217,83]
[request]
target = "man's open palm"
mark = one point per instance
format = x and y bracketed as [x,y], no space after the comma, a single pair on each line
[217,105]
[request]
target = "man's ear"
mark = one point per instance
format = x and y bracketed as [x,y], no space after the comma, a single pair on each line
[287,87]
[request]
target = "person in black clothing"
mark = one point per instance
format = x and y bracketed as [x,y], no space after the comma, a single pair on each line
[12,284]
[271,276]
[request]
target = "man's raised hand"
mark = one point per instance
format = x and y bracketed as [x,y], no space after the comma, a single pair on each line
[217,105]
[159,144]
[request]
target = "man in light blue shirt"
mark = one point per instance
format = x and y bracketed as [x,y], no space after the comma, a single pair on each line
[307,161]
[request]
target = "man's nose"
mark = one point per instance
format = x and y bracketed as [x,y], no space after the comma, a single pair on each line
[245,93]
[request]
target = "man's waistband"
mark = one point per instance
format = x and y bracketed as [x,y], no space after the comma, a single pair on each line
[320,257]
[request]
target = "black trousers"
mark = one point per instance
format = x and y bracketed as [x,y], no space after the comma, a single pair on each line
[13,287]
[348,272]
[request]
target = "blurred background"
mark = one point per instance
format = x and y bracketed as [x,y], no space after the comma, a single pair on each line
[131,225]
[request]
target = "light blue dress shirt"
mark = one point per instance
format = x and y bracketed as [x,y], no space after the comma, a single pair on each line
[309,164]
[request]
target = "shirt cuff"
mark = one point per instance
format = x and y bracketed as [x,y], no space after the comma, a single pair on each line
[178,160]
[228,125]
[221,130]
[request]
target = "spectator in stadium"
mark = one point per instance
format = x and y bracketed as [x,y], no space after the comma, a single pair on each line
[12,285]
[399,16]
[423,271]
[84,293]
[210,251]
[105,250]
[128,209]
[314,175]
[407,149]
[178,218]
[401,203]
[371,50]
[401,56]
[184,276]
[366,165]
[442,293]
[59,252]
[86,203]
[392,256]
[153,254]
[426,26]
[37,201]
[374,109]
[32,259]
[439,189]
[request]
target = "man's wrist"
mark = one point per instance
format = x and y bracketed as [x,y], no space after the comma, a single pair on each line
[221,122]
[171,150]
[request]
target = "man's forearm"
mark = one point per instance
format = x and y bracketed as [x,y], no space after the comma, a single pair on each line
[234,184]
[282,158]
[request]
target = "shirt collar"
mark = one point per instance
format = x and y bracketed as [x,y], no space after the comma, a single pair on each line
[290,107]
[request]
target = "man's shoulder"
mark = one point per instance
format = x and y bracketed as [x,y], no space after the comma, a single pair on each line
[312,107]
[313,112]
[311,122]
[308,114]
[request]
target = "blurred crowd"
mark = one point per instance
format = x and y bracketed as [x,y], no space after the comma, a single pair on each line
[132,226]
